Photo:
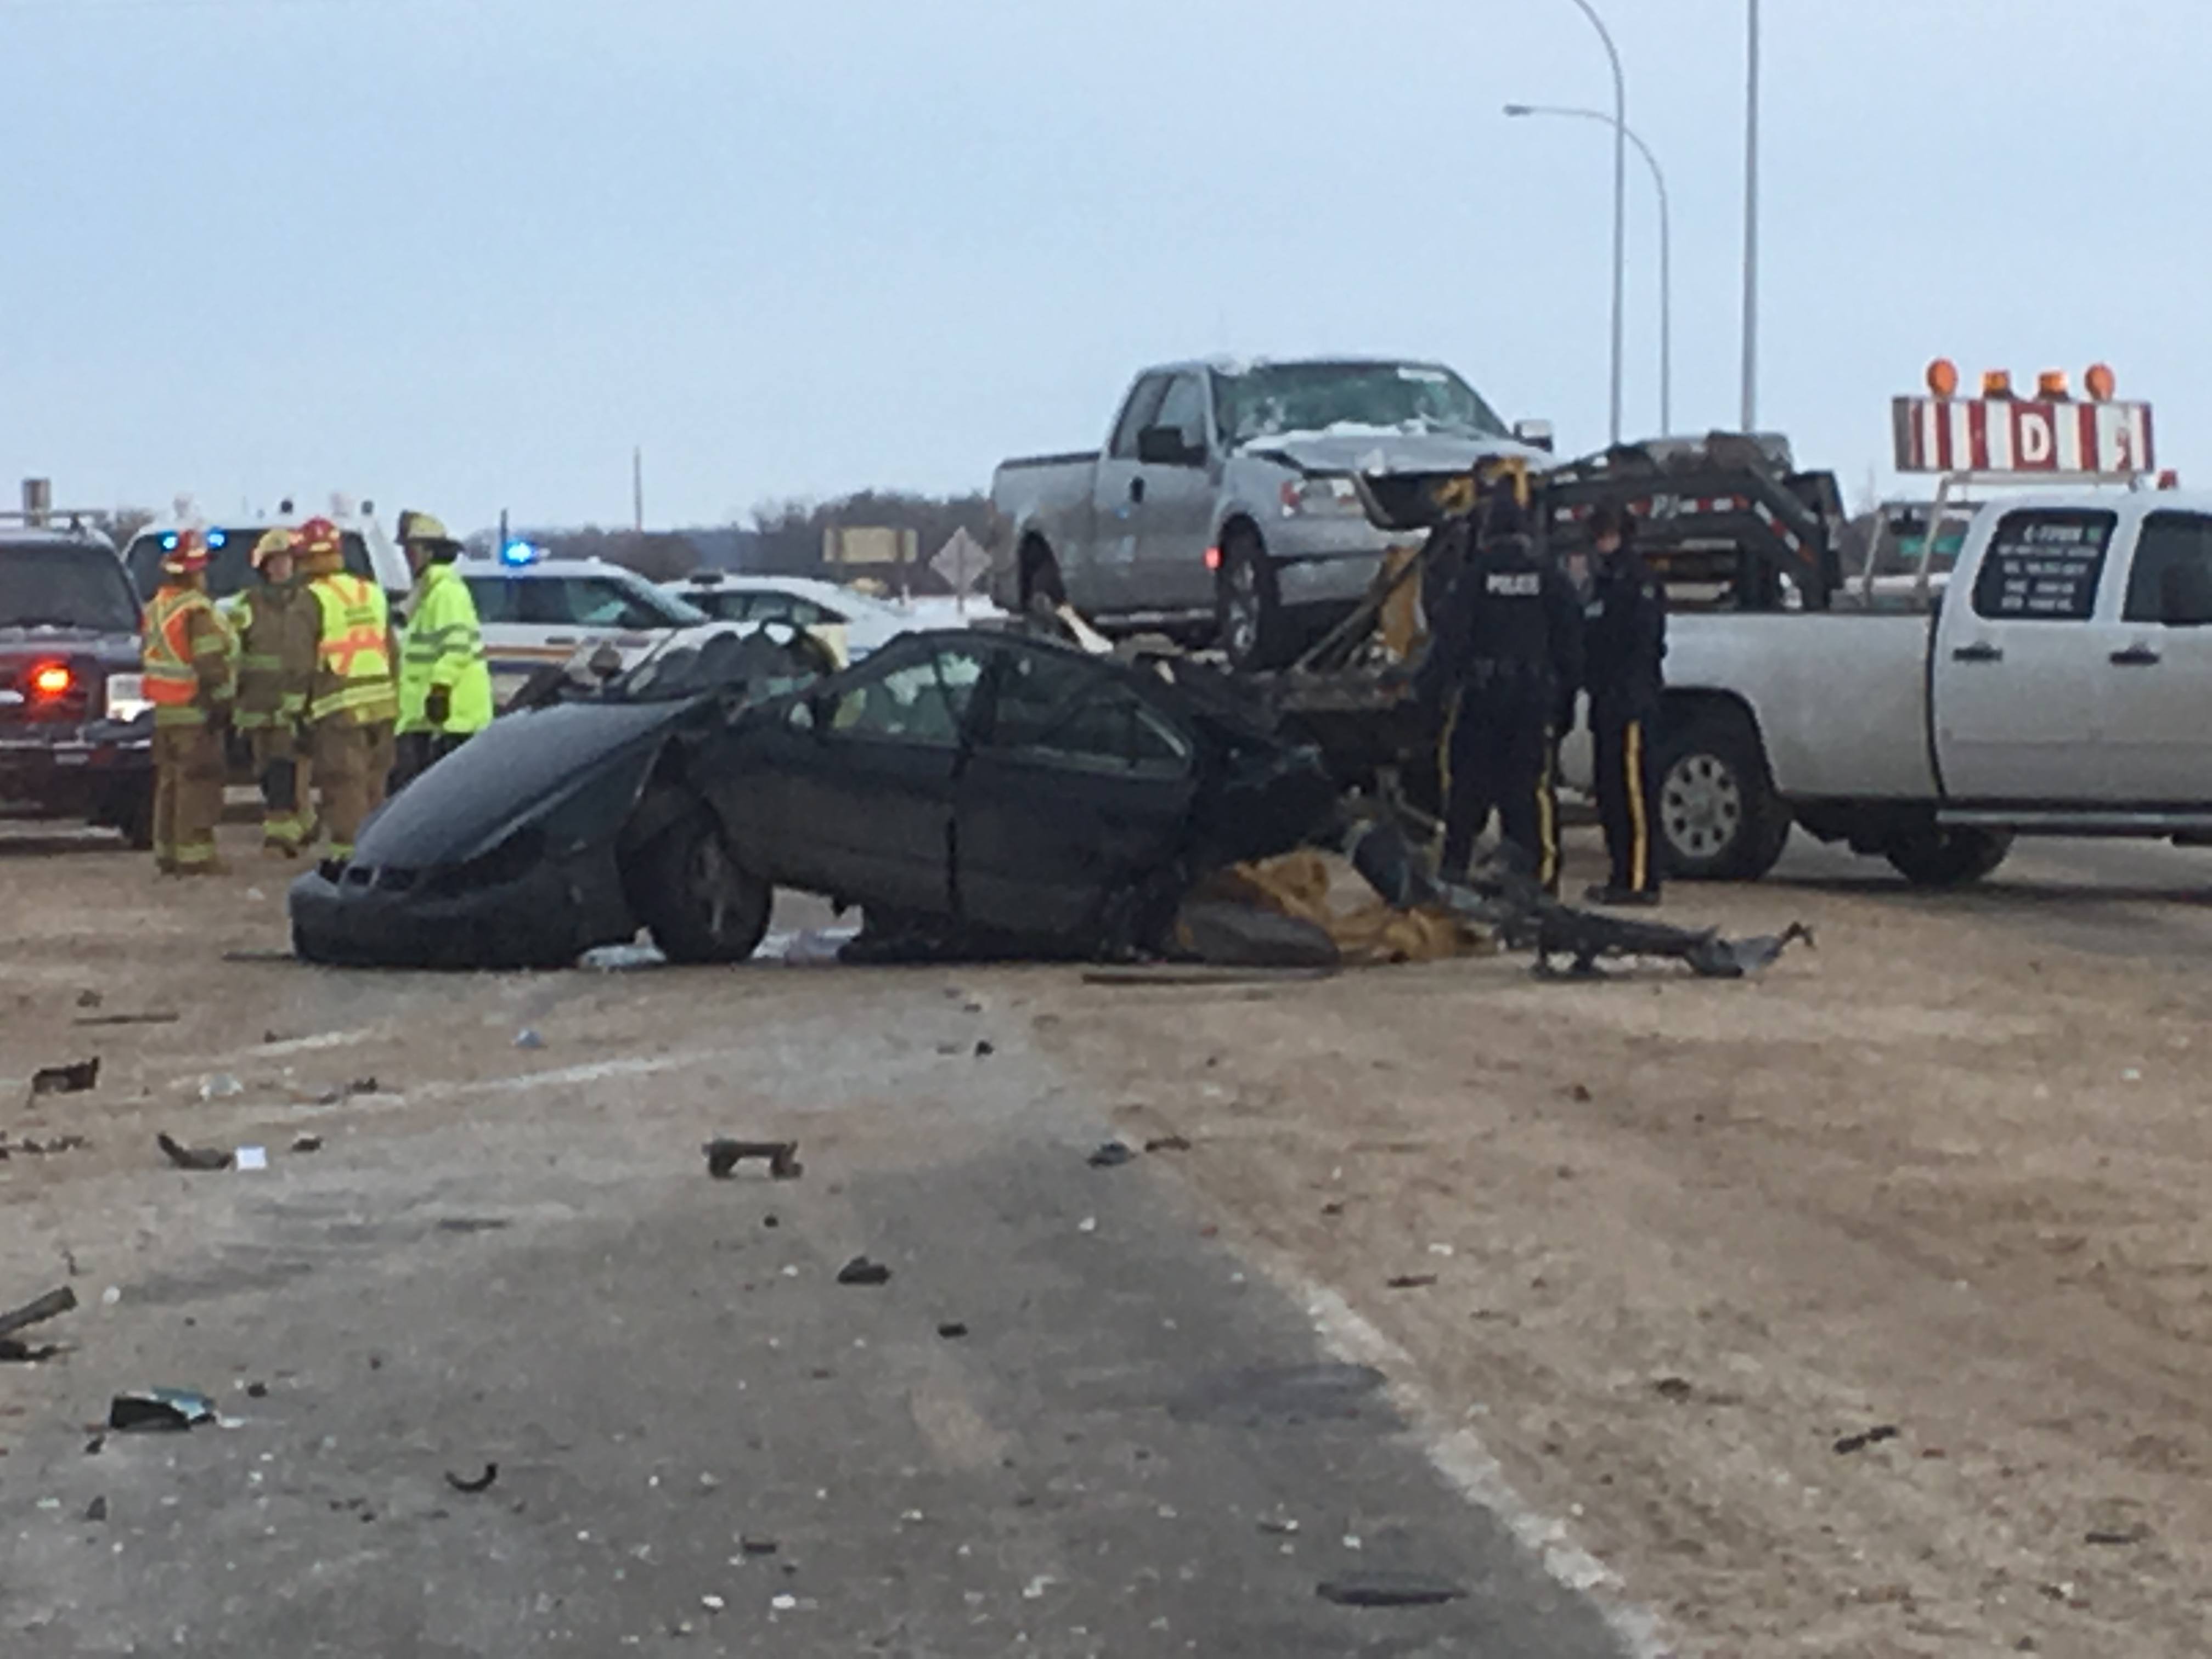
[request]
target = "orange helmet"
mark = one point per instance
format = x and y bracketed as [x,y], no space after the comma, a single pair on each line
[185,554]
[318,536]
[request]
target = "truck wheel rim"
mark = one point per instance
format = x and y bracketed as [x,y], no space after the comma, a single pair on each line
[711,882]
[1700,805]
[1243,609]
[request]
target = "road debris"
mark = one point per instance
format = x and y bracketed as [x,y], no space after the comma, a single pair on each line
[159,1410]
[1110,1156]
[1167,1144]
[985,1049]
[251,1158]
[222,1087]
[2134,1534]
[96,1510]
[193,1158]
[152,1017]
[1409,1281]
[306,1143]
[754,1546]
[52,1305]
[952,1330]
[1388,1589]
[73,1079]
[32,1146]
[527,1037]
[861,1271]
[1860,1442]
[343,1091]
[481,1483]
[724,1155]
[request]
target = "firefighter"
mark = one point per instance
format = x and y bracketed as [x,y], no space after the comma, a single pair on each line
[277,626]
[1626,642]
[351,701]
[445,683]
[189,660]
[1509,639]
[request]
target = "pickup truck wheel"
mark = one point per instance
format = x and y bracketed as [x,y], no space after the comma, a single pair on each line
[1248,608]
[1938,857]
[1719,818]
[693,898]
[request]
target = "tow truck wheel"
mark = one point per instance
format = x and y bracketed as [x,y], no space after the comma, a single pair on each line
[1719,818]
[693,898]
[1937,857]
[1248,609]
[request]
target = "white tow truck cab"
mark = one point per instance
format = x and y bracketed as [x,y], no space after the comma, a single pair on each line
[2058,683]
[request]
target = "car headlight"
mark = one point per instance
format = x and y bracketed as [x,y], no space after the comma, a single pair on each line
[1322,498]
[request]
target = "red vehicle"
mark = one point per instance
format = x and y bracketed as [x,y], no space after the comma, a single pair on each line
[76,733]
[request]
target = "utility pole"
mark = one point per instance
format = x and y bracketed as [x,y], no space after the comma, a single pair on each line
[637,488]
[500,552]
[1751,225]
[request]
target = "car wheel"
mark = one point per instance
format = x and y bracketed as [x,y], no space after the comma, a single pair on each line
[695,900]
[1937,857]
[1248,608]
[1043,590]
[1719,818]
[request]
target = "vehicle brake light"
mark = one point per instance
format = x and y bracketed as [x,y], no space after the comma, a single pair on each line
[52,679]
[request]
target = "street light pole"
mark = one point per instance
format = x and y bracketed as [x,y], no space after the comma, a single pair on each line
[1751,225]
[1619,197]
[1666,250]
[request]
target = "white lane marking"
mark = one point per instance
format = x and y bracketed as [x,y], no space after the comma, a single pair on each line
[1457,1453]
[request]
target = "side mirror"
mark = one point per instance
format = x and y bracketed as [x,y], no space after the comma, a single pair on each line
[1537,434]
[1163,446]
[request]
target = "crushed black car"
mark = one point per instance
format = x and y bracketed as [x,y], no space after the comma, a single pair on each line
[1009,792]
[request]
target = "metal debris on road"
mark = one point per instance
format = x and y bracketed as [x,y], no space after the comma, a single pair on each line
[32,1146]
[985,1049]
[481,1483]
[1860,1442]
[251,1158]
[96,1510]
[752,1546]
[193,1158]
[951,1330]
[152,1017]
[222,1087]
[159,1410]
[527,1037]
[724,1155]
[307,1144]
[37,1311]
[2135,1534]
[1167,1144]
[1110,1156]
[861,1271]
[1409,1281]
[1388,1589]
[73,1079]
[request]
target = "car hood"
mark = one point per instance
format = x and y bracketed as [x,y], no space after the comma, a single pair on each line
[518,767]
[1382,452]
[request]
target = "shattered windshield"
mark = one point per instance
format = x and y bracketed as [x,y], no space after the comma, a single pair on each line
[765,660]
[1279,400]
[81,587]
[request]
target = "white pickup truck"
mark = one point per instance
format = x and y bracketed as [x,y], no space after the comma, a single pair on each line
[2062,685]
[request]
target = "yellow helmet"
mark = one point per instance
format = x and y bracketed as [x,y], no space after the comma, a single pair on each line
[271,544]
[422,527]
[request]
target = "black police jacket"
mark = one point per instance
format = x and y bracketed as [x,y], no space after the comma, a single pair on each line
[1625,639]
[1511,624]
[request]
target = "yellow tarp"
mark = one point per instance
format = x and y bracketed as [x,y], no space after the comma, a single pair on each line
[1367,933]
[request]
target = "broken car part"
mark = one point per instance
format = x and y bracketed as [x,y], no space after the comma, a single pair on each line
[481,1483]
[781,1157]
[159,1410]
[73,1079]
[193,1158]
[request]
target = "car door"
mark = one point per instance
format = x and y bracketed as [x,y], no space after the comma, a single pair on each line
[512,648]
[850,791]
[2018,664]
[2155,671]
[587,611]
[1077,785]
[1103,577]
[1178,501]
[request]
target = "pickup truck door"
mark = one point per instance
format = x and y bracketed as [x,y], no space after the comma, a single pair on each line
[2021,662]
[2154,667]
[1104,576]
[1179,495]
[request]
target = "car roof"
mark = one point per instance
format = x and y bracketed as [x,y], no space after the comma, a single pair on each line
[539,568]
[809,587]
[41,536]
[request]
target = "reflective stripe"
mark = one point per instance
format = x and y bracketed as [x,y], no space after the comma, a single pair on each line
[1639,834]
[1548,831]
[353,659]
[166,659]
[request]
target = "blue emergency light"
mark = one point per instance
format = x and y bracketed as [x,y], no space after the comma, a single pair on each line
[217,537]
[520,553]
[169,543]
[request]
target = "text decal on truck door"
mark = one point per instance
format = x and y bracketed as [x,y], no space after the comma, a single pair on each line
[2044,567]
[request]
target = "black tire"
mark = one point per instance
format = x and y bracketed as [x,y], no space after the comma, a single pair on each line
[1937,857]
[1249,625]
[1719,817]
[693,898]
[1043,590]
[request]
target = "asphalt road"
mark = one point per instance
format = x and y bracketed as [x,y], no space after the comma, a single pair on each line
[1073,1423]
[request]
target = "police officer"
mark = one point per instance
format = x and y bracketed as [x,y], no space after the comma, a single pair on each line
[1626,643]
[1509,638]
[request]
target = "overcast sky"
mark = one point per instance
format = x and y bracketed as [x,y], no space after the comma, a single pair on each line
[463,254]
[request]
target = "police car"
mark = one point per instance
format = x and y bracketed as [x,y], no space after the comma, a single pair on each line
[537,612]
[850,623]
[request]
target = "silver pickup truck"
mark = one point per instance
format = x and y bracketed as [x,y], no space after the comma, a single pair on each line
[1223,505]
[2060,685]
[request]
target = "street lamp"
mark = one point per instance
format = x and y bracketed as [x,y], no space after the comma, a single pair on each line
[1666,253]
[1620,196]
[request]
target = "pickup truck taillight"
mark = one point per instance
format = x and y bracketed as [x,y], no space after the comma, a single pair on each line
[1321,497]
[50,682]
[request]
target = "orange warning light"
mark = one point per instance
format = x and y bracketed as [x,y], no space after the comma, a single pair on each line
[2100,383]
[1996,383]
[1943,377]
